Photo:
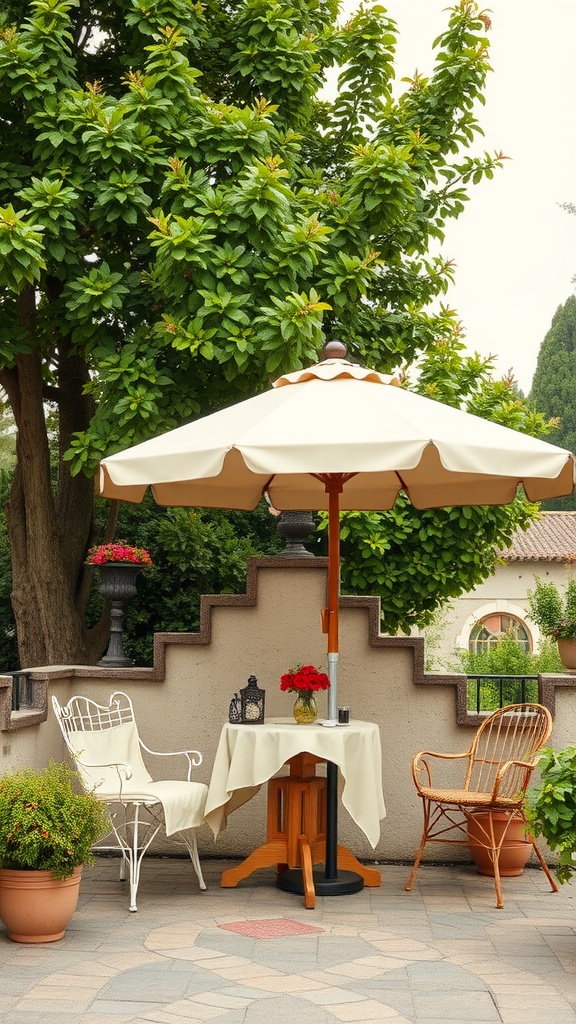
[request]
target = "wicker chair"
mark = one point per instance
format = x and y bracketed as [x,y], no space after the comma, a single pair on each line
[107,750]
[493,776]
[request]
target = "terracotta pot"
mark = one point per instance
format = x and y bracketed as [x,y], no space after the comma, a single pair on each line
[35,906]
[567,652]
[515,850]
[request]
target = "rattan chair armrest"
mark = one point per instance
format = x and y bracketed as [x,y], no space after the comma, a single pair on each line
[528,765]
[434,753]
[420,763]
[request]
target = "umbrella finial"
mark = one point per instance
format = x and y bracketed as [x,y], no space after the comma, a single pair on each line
[334,349]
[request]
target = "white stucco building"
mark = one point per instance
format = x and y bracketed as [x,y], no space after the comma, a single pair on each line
[500,604]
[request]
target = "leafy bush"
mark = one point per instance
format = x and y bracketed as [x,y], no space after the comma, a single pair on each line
[47,820]
[506,658]
[551,807]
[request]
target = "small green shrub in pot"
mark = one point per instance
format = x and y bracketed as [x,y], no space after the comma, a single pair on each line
[551,807]
[48,822]
[554,612]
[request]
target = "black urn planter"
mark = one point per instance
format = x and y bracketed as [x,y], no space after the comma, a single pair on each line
[117,584]
[296,528]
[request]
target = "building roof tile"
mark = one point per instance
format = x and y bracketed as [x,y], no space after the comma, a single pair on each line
[552,538]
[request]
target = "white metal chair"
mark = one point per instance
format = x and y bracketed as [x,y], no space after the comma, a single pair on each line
[107,750]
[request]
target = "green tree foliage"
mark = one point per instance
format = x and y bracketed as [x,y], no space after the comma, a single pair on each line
[181,218]
[416,560]
[554,385]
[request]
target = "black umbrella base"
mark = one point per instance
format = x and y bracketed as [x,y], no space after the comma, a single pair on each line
[345,883]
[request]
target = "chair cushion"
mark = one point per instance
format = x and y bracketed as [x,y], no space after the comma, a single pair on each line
[183,802]
[466,797]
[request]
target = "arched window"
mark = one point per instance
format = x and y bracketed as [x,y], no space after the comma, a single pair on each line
[489,630]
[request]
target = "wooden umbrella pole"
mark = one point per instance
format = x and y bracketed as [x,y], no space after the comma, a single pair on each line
[329,881]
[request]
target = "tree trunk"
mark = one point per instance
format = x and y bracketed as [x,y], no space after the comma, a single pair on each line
[49,524]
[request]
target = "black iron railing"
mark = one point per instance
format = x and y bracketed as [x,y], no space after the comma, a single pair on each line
[21,689]
[488,693]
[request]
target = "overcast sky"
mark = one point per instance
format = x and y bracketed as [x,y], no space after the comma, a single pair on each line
[515,249]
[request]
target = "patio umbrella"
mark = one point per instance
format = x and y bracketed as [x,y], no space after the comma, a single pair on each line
[338,436]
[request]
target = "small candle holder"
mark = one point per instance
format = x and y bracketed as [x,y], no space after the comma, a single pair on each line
[343,716]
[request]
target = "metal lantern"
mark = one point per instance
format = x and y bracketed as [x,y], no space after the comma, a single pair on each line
[252,699]
[234,715]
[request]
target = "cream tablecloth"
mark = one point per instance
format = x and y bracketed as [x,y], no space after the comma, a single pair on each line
[249,755]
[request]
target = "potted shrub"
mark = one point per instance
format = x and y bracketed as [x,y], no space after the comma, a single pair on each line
[48,825]
[551,807]
[555,615]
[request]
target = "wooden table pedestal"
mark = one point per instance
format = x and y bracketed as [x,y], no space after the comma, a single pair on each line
[296,830]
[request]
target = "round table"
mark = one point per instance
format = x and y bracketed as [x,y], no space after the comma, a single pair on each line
[250,755]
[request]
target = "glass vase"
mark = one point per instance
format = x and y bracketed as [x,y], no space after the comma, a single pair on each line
[305,709]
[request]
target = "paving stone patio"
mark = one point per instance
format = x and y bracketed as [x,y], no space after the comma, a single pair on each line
[255,955]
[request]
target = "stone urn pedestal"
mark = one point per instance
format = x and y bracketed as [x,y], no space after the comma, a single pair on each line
[117,585]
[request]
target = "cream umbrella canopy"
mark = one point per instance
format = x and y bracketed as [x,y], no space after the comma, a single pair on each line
[337,436]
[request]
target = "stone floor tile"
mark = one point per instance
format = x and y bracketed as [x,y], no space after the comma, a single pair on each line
[49,997]
[221,999]
[78,980]
[90,1018]
[354,971]
[458,1007]
[109,1018]
[30,1005]
[245,973]
[448,956]
[332,996]
[245,991]
[543,1001]
[286,983]
[365,1011]
[104,1007]
[518,1016]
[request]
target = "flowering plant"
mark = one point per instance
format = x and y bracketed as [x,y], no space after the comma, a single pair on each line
[565,629]
[48,822]
[304,679]
[118,552]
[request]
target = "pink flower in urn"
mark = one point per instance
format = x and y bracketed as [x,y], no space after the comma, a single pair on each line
[119,552]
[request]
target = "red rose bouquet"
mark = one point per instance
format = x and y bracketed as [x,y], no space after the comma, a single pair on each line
[304,679]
